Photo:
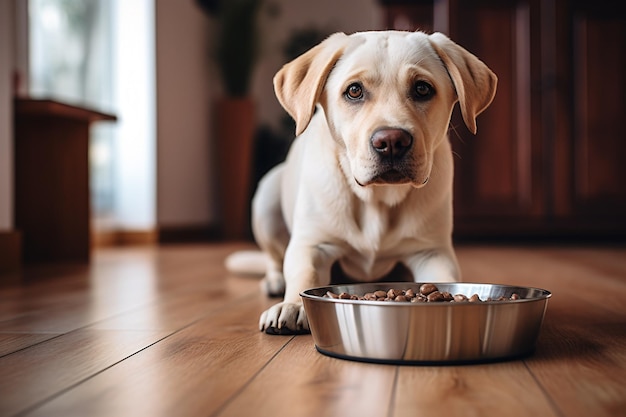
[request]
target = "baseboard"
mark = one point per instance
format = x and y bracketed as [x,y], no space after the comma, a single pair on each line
[188,233]
[10,251]
[109,238]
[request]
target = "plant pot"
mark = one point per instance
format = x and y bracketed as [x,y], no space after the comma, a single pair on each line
[235,128]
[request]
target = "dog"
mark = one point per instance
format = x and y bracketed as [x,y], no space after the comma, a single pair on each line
[366,187]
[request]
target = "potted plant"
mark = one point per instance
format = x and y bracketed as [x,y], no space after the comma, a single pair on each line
[235,52]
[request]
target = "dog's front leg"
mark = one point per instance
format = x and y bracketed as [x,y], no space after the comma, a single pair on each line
[434,266]
[305,267]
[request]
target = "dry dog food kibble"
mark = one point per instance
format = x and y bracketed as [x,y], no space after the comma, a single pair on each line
[428,293]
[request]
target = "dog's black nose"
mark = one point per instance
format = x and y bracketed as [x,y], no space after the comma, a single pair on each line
[391,143]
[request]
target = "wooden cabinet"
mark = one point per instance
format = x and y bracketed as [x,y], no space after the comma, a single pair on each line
[549,159]
[52,208]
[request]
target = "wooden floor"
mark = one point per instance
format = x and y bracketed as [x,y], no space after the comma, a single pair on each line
[167,332]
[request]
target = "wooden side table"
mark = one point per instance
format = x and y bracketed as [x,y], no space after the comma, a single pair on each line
[52,200]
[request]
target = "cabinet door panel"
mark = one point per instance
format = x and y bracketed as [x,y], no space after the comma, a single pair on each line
[494,169]
[599,105]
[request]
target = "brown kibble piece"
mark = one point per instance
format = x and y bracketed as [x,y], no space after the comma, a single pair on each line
[426,289]
[435,296]
[393,293]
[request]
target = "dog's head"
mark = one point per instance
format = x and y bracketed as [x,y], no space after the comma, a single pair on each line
[387,97]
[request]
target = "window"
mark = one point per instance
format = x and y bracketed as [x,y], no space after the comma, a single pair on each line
[100,54]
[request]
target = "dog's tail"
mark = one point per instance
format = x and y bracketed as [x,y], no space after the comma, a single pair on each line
[247,262]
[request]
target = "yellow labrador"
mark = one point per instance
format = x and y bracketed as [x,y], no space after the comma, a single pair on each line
[367,185]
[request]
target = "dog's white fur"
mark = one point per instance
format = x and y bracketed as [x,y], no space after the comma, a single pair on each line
[330,201]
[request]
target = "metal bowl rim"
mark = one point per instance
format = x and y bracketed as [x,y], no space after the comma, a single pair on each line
[305,294]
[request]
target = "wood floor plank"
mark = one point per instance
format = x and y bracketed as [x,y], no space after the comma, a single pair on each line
[607,259]
[484,390]
[35,374]
[31,297]
[12,342]
[60,319]
[301,382]
[178,307]
[191,373]
[581,365]
[170,313]
[85,296]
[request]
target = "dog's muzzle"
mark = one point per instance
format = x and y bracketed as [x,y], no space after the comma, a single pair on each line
[392,145]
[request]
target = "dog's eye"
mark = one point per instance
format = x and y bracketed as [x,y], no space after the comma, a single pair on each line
[354,91]
[423,91]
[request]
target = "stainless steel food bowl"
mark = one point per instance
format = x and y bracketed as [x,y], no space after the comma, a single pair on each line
[437,332]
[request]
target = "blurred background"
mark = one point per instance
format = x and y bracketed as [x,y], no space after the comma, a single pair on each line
[182,119]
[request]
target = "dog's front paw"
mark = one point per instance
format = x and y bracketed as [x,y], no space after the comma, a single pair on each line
[284,318]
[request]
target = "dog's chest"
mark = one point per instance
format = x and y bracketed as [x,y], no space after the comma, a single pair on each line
[373,237]
[371,228]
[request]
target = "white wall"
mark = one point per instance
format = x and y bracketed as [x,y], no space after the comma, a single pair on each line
[184,94]
[6,114]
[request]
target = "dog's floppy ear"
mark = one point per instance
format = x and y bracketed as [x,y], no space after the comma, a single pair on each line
[299,84]
[474,82]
